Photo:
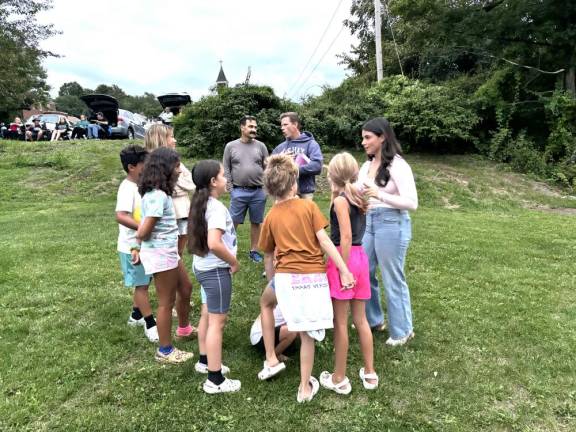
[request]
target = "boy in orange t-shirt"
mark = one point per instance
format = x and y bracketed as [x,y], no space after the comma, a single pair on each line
[294,231]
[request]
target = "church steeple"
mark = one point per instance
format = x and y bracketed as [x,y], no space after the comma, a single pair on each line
[221,81]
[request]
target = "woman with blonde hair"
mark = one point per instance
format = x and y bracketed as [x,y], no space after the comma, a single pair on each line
[348,223]
[160,135]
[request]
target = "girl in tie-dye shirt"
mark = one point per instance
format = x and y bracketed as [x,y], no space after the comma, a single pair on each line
[158,233]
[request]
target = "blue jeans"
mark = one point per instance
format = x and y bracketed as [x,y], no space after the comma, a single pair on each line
[244,199]
[386,240]
[93,131]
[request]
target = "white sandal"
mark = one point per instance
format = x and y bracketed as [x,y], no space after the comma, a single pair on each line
[315,386]
[371,376]
[343,387]
[268,372]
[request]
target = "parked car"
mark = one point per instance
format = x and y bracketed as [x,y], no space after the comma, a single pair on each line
[50,118]
[174,101]
[122,122]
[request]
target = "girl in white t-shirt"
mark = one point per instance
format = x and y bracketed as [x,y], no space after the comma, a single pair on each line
[212,241]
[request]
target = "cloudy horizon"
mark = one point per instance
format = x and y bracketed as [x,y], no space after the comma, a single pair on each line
[148,47]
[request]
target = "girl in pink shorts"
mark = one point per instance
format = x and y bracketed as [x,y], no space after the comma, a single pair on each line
[347,225]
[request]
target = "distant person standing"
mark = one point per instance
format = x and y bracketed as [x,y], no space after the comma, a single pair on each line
[244,161]
[167,116]
[304,149]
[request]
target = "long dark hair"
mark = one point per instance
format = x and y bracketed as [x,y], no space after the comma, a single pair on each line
[202,174]
[158,172]
[390,147]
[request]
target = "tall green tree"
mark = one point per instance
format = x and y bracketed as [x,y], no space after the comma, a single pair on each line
[22,78]
[438,39]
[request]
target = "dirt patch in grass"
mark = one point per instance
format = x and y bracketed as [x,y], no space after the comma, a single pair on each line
[561,211]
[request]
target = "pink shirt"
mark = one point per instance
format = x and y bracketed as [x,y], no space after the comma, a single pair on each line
[400,191]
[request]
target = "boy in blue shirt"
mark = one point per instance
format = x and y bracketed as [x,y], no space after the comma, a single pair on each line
[128,217]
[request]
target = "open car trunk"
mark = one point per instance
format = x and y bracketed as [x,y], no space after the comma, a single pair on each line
[108,105]
[174,101]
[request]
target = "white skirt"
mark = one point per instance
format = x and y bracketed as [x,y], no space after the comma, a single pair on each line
[156,260]
[304,300]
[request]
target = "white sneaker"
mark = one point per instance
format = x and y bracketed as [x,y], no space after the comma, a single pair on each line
[401,341]
[152,334]
[227,386]
[203,369]
[135,323]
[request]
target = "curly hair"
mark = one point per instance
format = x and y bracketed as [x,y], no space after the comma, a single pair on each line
[390,147]
[202,174]
[280,175]
[158,172]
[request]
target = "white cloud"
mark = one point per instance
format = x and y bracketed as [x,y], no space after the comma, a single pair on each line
[175,46]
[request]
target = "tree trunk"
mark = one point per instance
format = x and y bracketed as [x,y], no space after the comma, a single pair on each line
[570,76]
[570,80]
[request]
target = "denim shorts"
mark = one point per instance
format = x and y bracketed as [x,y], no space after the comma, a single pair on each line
[217,286]
[134,275]
[244,199]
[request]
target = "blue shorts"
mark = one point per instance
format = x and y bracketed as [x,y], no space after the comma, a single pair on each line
[243,199]
[203,299]
[217,286]
[134,275]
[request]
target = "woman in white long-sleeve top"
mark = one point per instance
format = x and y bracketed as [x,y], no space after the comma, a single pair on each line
[388,182]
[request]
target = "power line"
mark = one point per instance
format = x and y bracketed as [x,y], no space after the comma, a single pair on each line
[315,49]
[321,58]
[393,37]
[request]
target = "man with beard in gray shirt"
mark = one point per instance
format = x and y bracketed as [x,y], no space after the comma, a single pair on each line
[243,162]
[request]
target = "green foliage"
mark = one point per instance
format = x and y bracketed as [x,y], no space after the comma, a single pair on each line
[207,125]
[336,117]
[427,116]
[22,77]
[71,104]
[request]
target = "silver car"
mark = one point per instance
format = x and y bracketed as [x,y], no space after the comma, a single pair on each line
[128,125]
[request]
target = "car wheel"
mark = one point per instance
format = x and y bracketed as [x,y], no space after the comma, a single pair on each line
[130,134]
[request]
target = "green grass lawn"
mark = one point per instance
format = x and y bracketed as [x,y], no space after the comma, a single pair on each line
[491,272]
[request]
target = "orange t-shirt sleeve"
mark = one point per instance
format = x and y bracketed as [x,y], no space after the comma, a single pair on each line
[266,242]
[319,221]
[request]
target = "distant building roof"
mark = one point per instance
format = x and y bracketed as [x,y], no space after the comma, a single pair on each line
[221,80]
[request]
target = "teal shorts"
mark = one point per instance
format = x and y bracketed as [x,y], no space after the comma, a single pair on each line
[134,275]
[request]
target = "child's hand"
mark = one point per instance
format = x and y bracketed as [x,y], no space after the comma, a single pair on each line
[135,256]
[347,280]
[234,267]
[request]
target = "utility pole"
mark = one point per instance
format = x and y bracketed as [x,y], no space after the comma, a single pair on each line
[377,33]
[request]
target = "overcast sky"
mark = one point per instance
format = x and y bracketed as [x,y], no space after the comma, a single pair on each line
[175,46]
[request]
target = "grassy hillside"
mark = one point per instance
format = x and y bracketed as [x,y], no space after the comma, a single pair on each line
[490,270]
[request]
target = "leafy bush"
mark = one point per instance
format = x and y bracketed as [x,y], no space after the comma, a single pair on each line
[427,116]
[336,117]
[207,125]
